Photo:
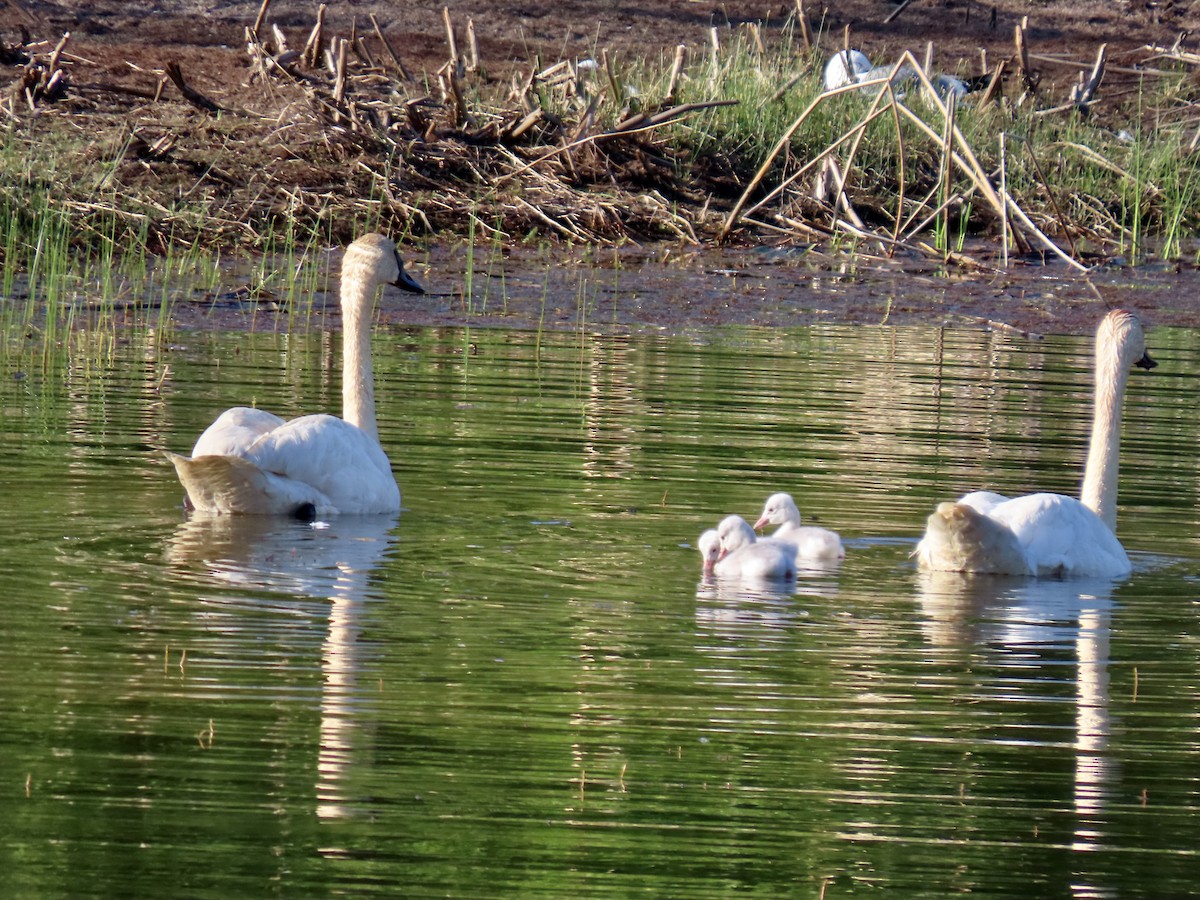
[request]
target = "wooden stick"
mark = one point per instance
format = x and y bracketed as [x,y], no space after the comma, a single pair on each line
[312,47]
[900,156]
[895,12]
[258,22]
[57,53]
[1023,53]
[387,45]
[783,185]
[1037,232]
[472,47]
[782,89]
[450,38]
[676,69]
[339,82]
[783,141]
[974,169]
[992,92]
[841,186]
[648,124]
[1062,220]
[1004,226]
[1082,93]
[190,94]
[805,28]
[280,40]
[947,166]
[460,102]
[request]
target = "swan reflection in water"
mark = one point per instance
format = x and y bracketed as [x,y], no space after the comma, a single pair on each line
[743,609]
[330,561]
[1032,614]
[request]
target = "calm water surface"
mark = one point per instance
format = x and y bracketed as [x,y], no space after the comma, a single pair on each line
[520,688]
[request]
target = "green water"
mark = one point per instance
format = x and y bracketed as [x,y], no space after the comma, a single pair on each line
[520,688]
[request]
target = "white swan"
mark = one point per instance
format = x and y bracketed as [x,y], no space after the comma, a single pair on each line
[1049,534]
[852,66]
[250,461]
[811,542]
[731,551]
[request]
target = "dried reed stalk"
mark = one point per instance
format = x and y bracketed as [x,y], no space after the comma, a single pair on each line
[805,28]
[311,55]
[391,51]
[676,71]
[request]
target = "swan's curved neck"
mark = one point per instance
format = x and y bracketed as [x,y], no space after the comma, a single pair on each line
[358,380]
[1099,491]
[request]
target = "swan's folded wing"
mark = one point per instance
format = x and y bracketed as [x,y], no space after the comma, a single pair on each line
[1063,537]
[231,485]
[982,501]
[235,431]
[336,458]
[761,560]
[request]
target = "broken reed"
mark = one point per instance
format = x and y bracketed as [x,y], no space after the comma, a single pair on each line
[1072,180]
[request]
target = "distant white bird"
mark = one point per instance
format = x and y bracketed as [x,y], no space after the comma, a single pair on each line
[811,542]
[848,67]
[845,67]
[250,461]
[1050,534]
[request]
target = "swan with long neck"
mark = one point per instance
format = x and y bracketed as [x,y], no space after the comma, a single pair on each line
[1050,534]
[253,462]
[812,542]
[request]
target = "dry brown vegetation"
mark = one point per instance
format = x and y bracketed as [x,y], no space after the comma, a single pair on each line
[330,123]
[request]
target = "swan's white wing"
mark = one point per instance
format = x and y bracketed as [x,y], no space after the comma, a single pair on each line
[836,73]
[1061,536]
[982,501]
[810,541]
[760,560]
[336,458]
[235,431]
[230,484]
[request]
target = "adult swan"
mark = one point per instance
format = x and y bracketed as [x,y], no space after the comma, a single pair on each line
[1049,534]
[252,462]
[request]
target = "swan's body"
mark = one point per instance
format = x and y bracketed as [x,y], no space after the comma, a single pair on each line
[253,462]
[811,542]
[848,67]
[1050,534]
[731,551]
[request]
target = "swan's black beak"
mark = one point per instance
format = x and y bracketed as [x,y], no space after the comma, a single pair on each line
[1145,362]
[406,283]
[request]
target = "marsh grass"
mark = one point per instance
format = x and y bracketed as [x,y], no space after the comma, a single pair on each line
[100,231]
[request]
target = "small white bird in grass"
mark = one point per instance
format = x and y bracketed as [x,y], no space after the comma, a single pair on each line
[253,462]
[811,541]
[848,67]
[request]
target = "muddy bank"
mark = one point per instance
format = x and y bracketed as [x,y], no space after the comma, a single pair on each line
[228,125]
[263,140]
[679,290]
